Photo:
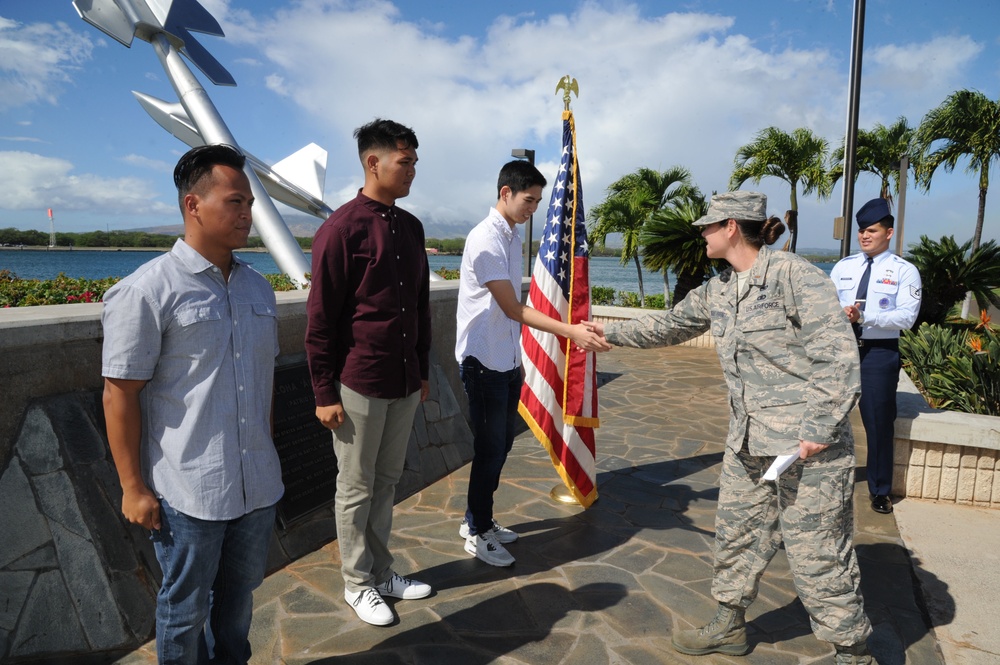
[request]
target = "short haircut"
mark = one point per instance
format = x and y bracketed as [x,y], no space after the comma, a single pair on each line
[887,222]
[382,134]
[197,163]
[520,176]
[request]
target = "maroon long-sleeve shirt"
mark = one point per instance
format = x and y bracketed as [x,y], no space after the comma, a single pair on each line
[369,321]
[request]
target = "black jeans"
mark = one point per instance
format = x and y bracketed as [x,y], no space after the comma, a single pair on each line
[493,398]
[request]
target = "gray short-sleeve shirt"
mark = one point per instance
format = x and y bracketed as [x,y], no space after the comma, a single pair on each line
[206,349]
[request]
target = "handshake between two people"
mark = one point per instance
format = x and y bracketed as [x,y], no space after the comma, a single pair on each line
[589,336]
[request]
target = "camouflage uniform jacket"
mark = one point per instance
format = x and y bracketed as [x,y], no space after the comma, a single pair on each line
[786,347]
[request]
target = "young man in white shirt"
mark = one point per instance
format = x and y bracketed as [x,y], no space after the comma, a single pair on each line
[490,316]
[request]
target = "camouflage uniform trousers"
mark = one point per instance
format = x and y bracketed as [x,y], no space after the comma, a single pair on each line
[812,506]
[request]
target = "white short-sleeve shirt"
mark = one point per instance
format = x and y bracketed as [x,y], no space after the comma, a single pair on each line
[492,252]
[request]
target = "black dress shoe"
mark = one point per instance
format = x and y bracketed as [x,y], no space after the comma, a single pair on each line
[882,504]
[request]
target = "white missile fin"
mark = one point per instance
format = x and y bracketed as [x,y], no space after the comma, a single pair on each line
[172,117]
[106,16]
[306,168]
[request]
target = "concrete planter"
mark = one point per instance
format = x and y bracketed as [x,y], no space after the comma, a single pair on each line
[944,455]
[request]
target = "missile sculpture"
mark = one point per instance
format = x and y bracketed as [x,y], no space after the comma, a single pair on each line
[296,181]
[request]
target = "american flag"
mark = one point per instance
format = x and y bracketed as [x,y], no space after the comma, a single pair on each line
[559,396]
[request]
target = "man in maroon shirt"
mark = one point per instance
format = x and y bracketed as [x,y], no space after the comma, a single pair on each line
[367,341]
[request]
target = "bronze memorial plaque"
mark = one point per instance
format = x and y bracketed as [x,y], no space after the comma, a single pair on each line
[305,447]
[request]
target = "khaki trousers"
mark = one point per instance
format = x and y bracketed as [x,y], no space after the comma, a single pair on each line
[370,447]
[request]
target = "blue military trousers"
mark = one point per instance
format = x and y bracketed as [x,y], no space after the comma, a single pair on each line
[879,379]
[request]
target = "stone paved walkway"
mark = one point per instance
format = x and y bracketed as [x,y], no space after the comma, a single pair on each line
[602,586]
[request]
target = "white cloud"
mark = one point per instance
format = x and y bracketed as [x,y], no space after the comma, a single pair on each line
[684,88]
[915,77]
[276,83]
[21,139]
[676,89]
[33,181]
[37,60]
[152,164]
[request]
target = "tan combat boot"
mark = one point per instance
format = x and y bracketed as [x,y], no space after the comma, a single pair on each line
[726,633]
[856,654]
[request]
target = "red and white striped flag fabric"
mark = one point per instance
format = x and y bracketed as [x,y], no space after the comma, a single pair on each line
[559,396]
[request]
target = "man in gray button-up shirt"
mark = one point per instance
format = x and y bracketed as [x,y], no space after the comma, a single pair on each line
[189,345]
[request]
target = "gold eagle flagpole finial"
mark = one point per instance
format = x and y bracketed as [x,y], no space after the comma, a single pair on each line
[567,84]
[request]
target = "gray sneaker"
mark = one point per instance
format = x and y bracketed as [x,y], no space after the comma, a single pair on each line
[503,535]
[486,547]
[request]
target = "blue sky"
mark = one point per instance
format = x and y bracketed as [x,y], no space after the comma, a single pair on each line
[661,84]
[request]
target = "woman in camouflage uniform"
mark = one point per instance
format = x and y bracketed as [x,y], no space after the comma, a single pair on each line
[791,363]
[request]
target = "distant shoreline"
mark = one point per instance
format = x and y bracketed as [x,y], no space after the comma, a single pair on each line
[812,257]
[42,248]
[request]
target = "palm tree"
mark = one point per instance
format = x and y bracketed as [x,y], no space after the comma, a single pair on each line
[631,201]
[949,270]
[619,215]
[966,124]
[799,157]
[879,152]
[671,242]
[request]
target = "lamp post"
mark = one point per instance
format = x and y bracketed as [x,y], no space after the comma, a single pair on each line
[851,138]
[524,153]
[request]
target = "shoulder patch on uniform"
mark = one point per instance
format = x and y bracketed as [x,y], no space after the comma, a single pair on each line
[915,291]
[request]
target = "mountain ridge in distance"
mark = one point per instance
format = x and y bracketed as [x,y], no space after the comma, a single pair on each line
[304,226]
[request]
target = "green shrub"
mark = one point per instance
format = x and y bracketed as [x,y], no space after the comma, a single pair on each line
[281,281]
[448,273]
[628,299]
[955,368]
[655,301]
[16,292]
[602,295]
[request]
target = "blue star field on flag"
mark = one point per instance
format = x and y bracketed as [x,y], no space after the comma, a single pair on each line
[554,248]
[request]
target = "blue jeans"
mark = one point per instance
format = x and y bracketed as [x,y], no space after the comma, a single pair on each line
[210,569]
[493,398]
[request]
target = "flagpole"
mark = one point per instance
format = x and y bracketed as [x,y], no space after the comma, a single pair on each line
[559,396]
[560,493]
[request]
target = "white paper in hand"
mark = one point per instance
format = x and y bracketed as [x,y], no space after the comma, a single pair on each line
[781,464]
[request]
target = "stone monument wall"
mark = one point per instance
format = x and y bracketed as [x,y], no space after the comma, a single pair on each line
[75,578]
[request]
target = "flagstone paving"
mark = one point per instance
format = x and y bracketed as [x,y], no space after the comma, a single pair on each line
[603,586]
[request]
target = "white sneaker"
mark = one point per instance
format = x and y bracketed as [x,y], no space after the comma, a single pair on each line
[486,547]
[369,606]
[398,586]
[504,535]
